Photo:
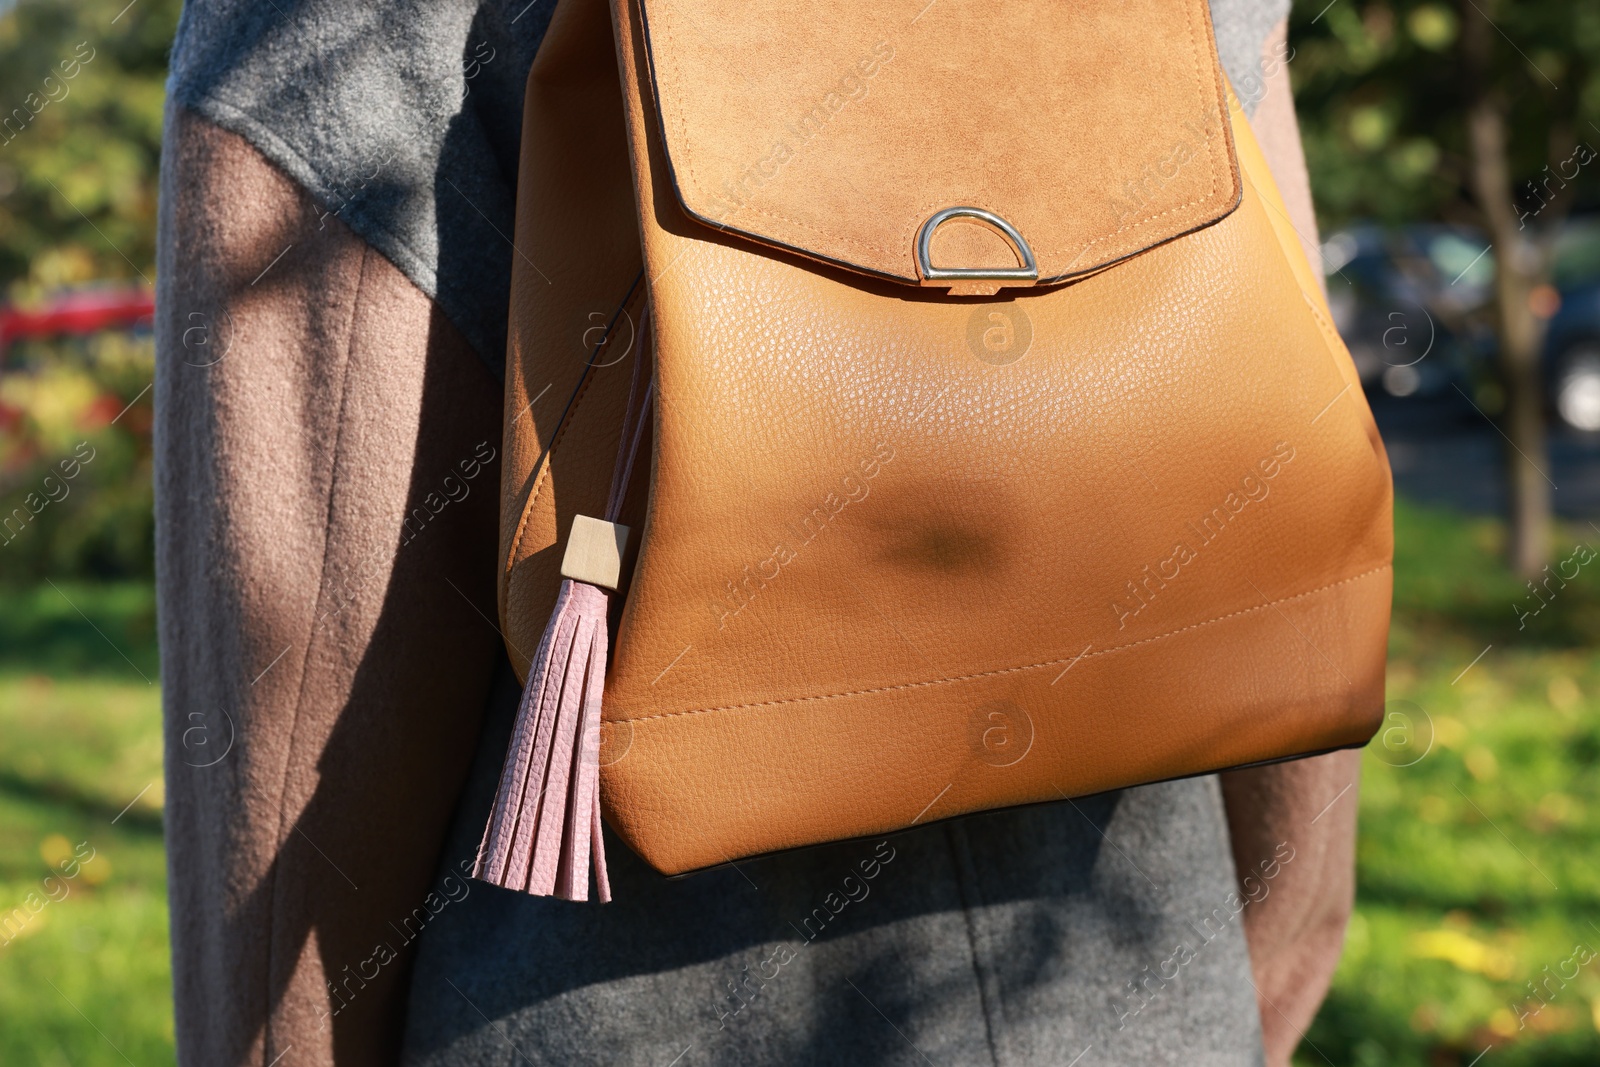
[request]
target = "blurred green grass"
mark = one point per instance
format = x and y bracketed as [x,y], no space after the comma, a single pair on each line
[85,979]
[1477,855]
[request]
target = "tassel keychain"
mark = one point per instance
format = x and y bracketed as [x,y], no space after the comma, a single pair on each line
[546,818]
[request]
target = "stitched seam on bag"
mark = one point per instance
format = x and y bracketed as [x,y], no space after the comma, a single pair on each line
[689,168]
[1011,670]
[567,417]
[544,468]
[1328,331]
[1329,334]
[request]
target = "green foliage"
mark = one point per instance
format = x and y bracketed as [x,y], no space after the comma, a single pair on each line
[1478,815]
[81,99]
[67,629]
[75,460]
[81,95]
[1382,97]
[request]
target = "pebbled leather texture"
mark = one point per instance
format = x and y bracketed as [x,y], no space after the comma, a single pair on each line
[907,555]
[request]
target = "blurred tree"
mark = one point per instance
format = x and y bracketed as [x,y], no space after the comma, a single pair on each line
[1483,112]
[81,95]
[81,92]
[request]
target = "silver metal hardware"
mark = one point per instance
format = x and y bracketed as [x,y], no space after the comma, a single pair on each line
[1028,272]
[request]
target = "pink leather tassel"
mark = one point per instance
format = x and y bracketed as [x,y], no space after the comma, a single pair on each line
[546,821]
[545,827]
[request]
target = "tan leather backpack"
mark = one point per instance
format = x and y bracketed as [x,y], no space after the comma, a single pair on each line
[1000,448]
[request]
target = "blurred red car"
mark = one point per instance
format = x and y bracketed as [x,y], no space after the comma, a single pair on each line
[78,312]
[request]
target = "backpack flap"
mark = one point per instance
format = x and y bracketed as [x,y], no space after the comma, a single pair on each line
[792,129]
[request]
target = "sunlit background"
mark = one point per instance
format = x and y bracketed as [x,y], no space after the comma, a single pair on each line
[1453,150]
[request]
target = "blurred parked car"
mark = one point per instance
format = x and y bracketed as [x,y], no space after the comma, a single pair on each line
[1572,343]
[1414,305]
[77,312]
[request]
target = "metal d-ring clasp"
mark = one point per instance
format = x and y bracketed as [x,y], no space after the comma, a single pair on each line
[1028,272]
